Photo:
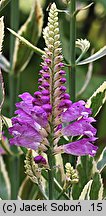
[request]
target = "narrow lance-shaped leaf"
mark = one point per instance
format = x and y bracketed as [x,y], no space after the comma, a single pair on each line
[31,30]
[27,43]
[4,181]
[3,4]
[94,57]
[96,192]
[85,192]
[102,160]
[86,168]
[97,100]
[28,190]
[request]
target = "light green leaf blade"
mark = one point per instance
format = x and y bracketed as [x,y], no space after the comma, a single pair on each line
[3,4]
[31,30]
[102,160]
[85,192]
[7,121]
[84,46]
[101,53]
[4,181]
[97,100]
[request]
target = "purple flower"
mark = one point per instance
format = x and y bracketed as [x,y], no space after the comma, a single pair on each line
[39,159]
[28,124]
[75,111]
[79,148]
[80,127]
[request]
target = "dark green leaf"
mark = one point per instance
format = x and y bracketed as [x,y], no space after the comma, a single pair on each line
[96,192]
[3,4]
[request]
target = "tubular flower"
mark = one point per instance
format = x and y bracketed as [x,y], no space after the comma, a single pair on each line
[43,118]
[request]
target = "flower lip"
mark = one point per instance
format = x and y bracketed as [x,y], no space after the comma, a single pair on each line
[37,94]
[47,108]
[47,60]
[45,92]
[45,68]
[46,76]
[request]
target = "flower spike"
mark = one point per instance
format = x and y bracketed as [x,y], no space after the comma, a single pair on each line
[49,114]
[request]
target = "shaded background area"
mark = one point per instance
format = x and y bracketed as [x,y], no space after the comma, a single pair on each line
[91,24]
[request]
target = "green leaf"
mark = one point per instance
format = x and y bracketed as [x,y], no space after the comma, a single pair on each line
[96,192]
[4,64]
[28,190]
[94,57]
[3,4]
[1,32]
[102,160]
[85,192]
[31,30]
[97,100]
[27,43]
[85,167]
[4,181]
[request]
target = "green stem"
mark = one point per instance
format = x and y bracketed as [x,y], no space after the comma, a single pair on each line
[13,78]
[51,175]
[14,162]
[72,74]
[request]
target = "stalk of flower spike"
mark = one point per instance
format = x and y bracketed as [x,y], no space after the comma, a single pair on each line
[53,74]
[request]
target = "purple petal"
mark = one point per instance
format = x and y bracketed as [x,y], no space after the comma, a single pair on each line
[25,131]
[74,111]
[80,127]
[80,148]
[39,115]
[22,141]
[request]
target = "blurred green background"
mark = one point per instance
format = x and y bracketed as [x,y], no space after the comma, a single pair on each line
[91,24]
